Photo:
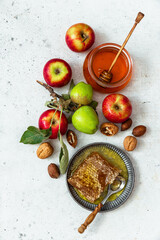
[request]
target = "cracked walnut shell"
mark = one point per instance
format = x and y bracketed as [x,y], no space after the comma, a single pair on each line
[71,138]
[45,150]
[109,129]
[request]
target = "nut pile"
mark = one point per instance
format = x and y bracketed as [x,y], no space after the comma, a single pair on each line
[45,150]
[130,142]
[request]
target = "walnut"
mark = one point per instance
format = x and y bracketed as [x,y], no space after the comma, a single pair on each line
[45,150]
[109,129]
[130,143]
[53,170]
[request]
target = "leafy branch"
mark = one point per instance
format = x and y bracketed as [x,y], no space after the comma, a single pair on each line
[63,100]
[34,135]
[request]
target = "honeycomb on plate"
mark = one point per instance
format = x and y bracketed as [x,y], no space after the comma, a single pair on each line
[93,175]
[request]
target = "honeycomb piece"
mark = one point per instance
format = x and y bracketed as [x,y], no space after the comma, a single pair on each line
[93,175]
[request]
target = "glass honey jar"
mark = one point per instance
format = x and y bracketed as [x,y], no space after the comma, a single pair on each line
[101,58]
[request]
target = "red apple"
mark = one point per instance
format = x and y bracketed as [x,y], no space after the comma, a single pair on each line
[57,72]
[116,108]
[45,121]
[80,37]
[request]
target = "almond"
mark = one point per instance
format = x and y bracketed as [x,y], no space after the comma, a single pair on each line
[130,143]
[139,131]
[126,125]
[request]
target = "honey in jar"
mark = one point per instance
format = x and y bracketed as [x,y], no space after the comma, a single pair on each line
[100,59]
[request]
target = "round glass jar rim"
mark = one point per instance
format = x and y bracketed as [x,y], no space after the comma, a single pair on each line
[113,46]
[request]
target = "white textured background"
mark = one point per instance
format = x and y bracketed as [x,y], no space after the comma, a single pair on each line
[32,205]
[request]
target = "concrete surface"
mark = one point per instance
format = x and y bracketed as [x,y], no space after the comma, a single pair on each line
[32,205]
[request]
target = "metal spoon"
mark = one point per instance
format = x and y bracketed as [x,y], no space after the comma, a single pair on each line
[115,187]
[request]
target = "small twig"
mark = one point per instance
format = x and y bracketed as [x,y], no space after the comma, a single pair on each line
[50,89]
[67,105]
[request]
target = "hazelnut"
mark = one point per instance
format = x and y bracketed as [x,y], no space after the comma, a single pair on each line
[72,138]
[45,150]
[53,170]
[139,131]
[126,125]
[108,129]
[130,143]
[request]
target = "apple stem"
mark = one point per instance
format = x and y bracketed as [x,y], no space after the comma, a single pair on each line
[53,117]
[116,107]
[60,119]
[85,38]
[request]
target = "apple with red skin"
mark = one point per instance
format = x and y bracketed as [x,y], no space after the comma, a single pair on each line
[57,72]
[116,108]
[45,121]
[80,37]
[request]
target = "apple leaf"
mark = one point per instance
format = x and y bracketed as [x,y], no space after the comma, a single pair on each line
[63,156]
[34,135]
[66,96]
[71,86]
[70,118]
[93,104]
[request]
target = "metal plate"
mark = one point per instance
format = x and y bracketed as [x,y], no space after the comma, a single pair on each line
[128,188]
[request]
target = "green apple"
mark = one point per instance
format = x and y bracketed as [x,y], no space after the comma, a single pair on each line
[85,120]
[82,93]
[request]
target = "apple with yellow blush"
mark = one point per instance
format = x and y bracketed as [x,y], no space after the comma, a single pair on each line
[57,72]
[80,37]
[116,108]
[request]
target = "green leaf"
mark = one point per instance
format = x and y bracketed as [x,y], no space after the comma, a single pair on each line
[51,104]
[71,86]
[66,96]
[48,103]
[70,118]
[63,156]
[34,135]
[93,104]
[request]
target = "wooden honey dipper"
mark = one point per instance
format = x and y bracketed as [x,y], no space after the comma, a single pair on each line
[106,75]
